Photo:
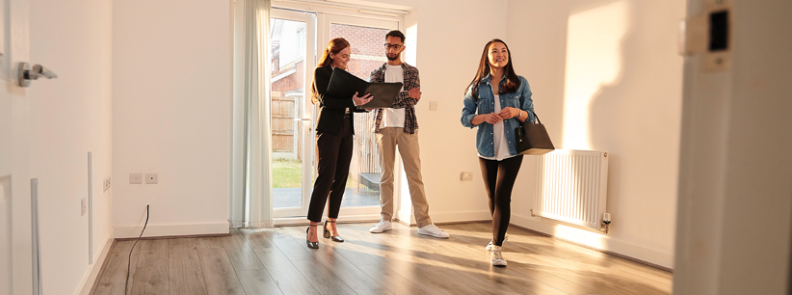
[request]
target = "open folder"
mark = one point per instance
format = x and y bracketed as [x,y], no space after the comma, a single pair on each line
[344,84]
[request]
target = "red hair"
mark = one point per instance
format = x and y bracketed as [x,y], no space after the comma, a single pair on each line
[335,46]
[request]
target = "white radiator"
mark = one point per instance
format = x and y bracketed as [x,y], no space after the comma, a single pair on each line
[571,186]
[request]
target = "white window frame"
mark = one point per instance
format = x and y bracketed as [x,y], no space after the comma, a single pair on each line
[327,14]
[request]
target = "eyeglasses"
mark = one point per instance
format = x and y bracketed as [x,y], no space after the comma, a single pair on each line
[394,46]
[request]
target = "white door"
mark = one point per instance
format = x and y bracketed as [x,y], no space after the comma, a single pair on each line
[293,51]
[15,215]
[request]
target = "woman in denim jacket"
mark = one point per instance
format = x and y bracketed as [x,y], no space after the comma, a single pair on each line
[497,109]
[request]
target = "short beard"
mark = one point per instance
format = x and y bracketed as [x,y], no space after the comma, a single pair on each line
[394,58]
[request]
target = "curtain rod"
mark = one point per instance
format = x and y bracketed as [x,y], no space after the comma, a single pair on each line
[360,8]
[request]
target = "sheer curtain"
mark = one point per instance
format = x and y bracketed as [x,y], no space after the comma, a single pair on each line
[250,204]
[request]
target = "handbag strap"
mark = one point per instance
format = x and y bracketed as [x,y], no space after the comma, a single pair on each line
[520,130]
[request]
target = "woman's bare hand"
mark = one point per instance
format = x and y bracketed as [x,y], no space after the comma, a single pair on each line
[509,112]
[361,100]
[493,118]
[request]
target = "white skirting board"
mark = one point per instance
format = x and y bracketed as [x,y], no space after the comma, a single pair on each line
[446,217]
[92,273]
[165,230]
[594,240]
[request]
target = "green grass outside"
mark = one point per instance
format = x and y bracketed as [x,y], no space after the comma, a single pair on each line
[288,174]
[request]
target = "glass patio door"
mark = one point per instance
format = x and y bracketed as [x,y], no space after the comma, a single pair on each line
[292,52]
[298,38]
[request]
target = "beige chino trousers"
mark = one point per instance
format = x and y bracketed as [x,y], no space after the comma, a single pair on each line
[387,141]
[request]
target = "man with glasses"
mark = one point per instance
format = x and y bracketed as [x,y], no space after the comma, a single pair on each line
[397,126]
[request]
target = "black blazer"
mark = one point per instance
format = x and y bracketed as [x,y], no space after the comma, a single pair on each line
[331,109]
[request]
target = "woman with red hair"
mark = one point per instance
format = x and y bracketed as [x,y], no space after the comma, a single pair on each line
[334,142]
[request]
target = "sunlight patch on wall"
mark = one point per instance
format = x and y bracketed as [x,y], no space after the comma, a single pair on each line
[593,60]
[411,44]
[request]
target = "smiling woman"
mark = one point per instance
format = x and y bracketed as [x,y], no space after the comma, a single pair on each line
[496,102]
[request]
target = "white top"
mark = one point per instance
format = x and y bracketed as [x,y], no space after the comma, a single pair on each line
[499,137]
[393,117]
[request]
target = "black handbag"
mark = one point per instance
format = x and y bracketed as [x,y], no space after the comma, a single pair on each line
[532,138]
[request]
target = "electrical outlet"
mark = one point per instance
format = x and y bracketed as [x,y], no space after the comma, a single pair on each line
[135,178]
[465,176]
[83,207]
[151,178]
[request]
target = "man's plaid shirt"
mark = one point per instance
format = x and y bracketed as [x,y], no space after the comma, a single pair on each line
[403,100]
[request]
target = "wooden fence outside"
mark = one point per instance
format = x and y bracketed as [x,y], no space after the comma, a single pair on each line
[286,140]
[366,165]
[285,133]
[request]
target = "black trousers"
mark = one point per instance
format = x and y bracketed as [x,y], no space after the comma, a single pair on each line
[334,153]
[499,177]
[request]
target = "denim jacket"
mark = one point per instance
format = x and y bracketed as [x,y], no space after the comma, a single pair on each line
[520,99]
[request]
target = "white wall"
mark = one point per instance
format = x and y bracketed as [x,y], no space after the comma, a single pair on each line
[449,50]
[70,116]
[172,93]
[606,76]
[735,210]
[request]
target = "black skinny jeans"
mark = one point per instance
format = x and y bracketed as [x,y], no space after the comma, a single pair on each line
[499,177]
[334,157]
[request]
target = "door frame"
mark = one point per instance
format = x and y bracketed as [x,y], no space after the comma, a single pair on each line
[323,18]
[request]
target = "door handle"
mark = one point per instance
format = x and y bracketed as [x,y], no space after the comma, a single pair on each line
[25,74]
[305,120]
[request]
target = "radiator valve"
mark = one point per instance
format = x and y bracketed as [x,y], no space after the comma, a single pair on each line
[606,219]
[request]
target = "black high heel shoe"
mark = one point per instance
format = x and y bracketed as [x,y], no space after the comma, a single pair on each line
[327,234]
[312,245]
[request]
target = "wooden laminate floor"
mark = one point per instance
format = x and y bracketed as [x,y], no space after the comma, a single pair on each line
[276,261]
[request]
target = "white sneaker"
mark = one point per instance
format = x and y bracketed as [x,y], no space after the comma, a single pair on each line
[489,246]
[433,230]
[381,227]
[497,256]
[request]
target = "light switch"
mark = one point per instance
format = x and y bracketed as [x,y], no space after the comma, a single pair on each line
[433,106]
[465,176]
[135,178]
[151,178]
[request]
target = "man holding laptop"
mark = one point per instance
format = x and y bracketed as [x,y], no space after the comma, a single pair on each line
[398,126]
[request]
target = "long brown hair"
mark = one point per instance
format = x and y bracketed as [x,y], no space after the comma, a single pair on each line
[512,81]
[335,46]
